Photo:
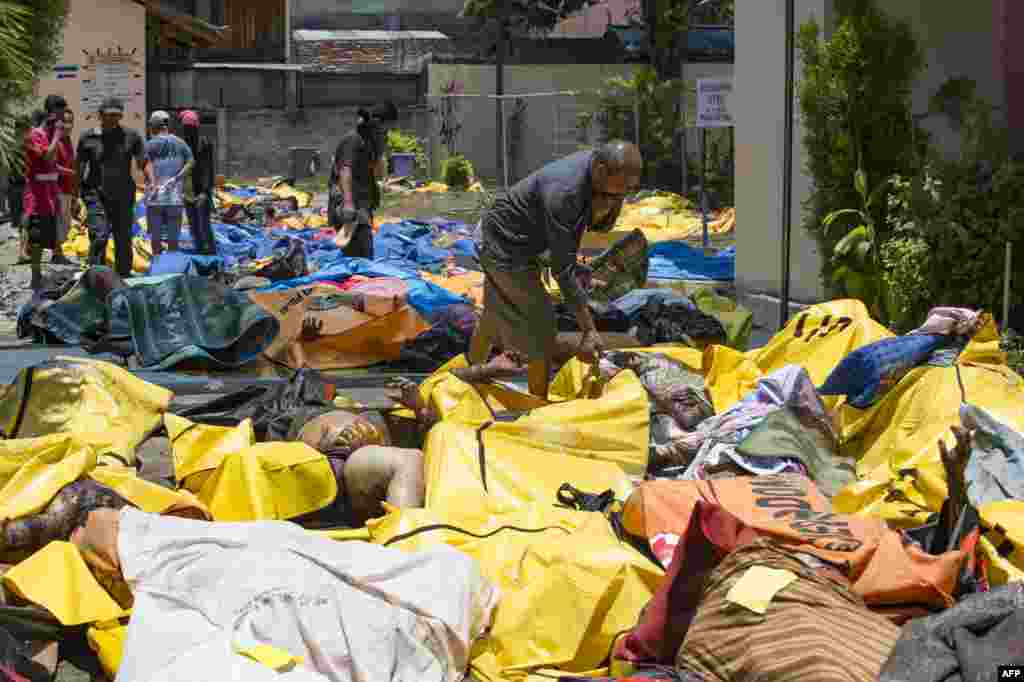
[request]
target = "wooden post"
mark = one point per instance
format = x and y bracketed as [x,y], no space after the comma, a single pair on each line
[1006,285]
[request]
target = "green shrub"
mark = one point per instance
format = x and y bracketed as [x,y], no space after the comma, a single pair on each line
[457,172]
[965,209]
[855,103]
[660,114]
[1013,345]
[907,279]
[402,142]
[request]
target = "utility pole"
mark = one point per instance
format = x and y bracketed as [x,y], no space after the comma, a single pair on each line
[499,90]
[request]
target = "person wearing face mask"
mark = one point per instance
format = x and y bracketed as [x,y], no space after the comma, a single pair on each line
[358,166]
[544,217]
[103,166]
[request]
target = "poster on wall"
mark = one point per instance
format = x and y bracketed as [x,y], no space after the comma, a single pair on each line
[113,73]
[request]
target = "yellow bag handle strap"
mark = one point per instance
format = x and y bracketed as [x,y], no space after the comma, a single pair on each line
[24,391]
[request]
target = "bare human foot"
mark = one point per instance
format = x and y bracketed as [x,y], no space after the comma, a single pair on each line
[503,366]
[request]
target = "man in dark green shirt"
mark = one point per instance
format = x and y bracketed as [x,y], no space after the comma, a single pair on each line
[543,217]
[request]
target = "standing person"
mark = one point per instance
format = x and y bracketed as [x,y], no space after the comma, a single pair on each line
[16,187]
[358,165]
[103,166]
[42,185]
[66,167]
[199,188]
[547,212]
[168,161]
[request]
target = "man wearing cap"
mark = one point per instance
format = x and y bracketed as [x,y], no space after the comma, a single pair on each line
[41,210]
[199,187]
[168,161]
[104,169]
[358,165]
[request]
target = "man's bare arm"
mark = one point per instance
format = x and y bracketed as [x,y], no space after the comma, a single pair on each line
[51,151]
[345,185]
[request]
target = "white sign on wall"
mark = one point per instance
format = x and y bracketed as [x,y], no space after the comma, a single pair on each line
[713,103]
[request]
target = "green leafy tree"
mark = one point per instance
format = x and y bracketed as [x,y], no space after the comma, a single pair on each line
[855,105]
[667,22]
[523,18]
[31,41]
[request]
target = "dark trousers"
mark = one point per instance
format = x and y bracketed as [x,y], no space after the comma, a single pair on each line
[199,226]
[111,218]
[16,202]
[361,244]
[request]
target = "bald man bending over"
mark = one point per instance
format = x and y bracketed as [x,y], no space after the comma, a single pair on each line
[547,214]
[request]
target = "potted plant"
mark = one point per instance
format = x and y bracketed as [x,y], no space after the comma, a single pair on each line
[407,154]
[457,172]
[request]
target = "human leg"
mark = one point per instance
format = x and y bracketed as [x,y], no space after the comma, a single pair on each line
[172,226]
[482,342]
[538,374]
[122,215]
[155,219]
[207,244]
[361,244]
[42,234]
[98,224]
[63,228]
[522,320]
[16,200]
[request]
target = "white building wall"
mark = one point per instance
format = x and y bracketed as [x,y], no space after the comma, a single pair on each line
[759,96]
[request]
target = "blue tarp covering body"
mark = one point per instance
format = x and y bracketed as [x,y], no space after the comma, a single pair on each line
[428,299]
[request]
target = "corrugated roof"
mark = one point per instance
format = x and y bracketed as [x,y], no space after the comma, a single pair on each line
[383,36]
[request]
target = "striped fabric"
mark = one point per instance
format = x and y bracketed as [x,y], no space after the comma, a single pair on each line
[815,628]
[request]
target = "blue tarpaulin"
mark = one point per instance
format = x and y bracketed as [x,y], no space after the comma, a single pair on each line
[680,261]
[428,299]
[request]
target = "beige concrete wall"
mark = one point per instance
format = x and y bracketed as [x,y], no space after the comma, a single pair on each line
[539,140]
[957,40]
[759,95]
[94,28]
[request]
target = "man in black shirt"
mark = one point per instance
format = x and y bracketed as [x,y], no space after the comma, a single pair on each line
[199,187]
[104,165]
[358,165]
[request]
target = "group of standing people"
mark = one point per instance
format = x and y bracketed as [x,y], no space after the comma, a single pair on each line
[179,180]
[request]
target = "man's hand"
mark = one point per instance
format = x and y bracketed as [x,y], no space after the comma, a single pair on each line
[312,328]
[591,346]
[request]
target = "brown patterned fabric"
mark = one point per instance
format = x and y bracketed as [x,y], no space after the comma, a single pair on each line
[814,629]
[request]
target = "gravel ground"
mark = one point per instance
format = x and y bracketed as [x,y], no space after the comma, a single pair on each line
[15,280]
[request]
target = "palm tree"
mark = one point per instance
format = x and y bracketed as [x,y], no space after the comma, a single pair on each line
[31,36]
[17,77]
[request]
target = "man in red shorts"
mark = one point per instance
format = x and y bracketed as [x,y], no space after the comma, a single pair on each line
[42,185]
